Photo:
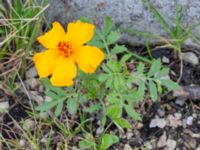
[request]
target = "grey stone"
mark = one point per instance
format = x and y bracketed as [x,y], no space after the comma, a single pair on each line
[131,14]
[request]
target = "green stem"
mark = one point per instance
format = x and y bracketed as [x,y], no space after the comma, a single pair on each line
[105,44]
[139,57]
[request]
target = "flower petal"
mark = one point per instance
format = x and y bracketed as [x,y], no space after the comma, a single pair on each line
[64,72]
[79,33]
[45,62]
[51,38]
[88,58]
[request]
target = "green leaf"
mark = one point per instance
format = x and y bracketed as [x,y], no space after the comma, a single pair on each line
[85,19]
[59,109]
[112,37]
[96,42]
[59,91]
[106,68]
[125,58]
[118,49]
[118,83]
[52,94]
[162,73]
[159,86]
[72,105]
[113,98]
[108,140]
[171,85]
[132,113]
[140,68]
[133,96]
[155,67]
[108,25]
[94,108]
[153,90]
[109,83]
[141,90]
[123,123]
[114,111]
[46,106]
[103,77]
[86,144]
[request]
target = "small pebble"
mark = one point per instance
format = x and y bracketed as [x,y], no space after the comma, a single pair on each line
[178,115]
[43,115]
[189,120]
[148,146]
[22,142]
[127,147]
[165,60]
[4,106]
[162,141]
[161,112]
[198,148]
[180,102]
[99,130]
[31,73]
[158,122]
[129,135]
[171,144]
[194,115]
[190,57]
[32,83]
[30,124]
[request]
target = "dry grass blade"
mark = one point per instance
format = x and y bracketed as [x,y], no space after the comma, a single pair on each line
[11,63]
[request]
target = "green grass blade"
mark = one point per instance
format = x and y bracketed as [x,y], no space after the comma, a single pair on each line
[159,17]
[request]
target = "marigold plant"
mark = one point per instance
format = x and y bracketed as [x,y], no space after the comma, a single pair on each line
[65,50]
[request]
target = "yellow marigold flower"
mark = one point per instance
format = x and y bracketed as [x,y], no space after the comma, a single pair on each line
[65,50]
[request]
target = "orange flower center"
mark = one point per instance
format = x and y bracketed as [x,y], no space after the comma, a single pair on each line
[65,48]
